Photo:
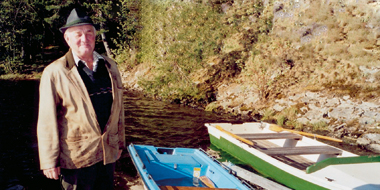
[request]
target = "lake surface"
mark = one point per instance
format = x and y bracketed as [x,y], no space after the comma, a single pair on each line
[147,122]
[162,124]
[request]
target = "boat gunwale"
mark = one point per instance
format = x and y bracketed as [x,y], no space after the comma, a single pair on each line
[201,156]
[342,160]
[146,179]
[290,170]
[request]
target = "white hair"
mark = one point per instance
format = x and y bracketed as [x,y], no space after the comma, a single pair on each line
[89,24]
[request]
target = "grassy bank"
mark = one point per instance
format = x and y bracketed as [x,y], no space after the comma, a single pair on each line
[185,51]
[190,49]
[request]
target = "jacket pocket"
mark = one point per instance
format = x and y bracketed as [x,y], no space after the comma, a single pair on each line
[113,140]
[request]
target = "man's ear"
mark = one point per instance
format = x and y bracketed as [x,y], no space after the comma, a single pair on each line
[66,37]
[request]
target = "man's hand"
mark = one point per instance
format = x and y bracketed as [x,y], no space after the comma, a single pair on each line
[52,173]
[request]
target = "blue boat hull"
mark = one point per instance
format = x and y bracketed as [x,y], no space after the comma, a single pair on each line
[177,167]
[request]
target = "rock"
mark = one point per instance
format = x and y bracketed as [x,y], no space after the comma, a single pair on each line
[295,97]
[278,108]
[373,137]
[318,120]
[370,72]
[303,120]
[341,113]
[314,114]
[336,127]
[363,142]
[312,95]
[367,120]
[304,109]
[374,148]
[332,102]
[225,7]
[368,106]
[245,115]
[373,115]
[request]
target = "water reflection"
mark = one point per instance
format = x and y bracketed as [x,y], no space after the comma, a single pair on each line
[169,125]
[162,124]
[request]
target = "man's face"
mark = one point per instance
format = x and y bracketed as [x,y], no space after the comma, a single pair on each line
[81,40]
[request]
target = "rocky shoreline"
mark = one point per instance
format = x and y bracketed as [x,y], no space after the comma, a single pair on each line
[339,111]
[313,64]
[356,122]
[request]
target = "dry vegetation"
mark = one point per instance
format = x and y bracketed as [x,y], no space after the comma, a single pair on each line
[272,47]
[317,44]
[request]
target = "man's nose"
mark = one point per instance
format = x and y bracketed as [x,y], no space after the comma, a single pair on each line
[83,37]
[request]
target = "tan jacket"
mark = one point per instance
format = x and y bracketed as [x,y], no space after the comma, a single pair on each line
[68,132]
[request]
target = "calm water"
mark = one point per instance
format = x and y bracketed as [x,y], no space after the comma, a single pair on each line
[163,124]
[147,122]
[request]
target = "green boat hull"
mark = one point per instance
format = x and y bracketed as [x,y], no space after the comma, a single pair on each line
[263,167]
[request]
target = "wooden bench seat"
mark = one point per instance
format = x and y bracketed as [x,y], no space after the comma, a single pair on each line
[266,136]
[281,151]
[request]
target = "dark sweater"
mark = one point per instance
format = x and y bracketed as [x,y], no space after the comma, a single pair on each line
[99,88]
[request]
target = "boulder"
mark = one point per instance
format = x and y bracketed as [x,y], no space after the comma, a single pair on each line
[374,148]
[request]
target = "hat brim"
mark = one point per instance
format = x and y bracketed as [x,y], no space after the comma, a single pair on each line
[64,28]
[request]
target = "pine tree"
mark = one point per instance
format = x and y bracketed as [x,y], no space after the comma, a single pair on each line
[30,28]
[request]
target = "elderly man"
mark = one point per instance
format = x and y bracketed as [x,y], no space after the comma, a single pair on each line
[80,126]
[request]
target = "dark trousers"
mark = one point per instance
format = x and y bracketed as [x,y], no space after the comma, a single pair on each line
[95,177]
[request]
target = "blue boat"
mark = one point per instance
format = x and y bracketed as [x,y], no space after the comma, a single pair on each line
[181,168]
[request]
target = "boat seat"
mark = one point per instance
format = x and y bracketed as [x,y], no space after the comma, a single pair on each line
[281,151]
[265,136]
[190,188]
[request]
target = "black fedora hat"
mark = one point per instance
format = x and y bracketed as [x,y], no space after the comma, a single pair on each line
[77,17]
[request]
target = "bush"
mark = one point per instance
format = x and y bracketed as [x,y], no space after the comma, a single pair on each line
[175,40]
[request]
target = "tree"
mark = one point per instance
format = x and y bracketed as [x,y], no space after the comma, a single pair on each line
[30,28]
[103,34]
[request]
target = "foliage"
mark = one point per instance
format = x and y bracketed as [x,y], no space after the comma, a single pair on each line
[175,40]
[127,18]
[178,40]
[268,115]
[193,47]
[126,40]
[320,126]
[15,18]
[29,29]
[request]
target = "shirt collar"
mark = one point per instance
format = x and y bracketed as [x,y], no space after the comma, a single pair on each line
[96,57]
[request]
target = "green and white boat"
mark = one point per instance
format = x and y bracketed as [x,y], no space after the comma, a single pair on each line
[293,160]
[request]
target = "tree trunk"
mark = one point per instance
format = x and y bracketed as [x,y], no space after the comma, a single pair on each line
[104,39]
[105,43]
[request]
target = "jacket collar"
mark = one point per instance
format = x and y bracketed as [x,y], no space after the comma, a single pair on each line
[70,62]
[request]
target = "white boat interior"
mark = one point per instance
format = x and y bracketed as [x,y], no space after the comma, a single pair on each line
[300,152]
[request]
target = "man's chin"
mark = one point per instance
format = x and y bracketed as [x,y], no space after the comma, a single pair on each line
[85,52]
